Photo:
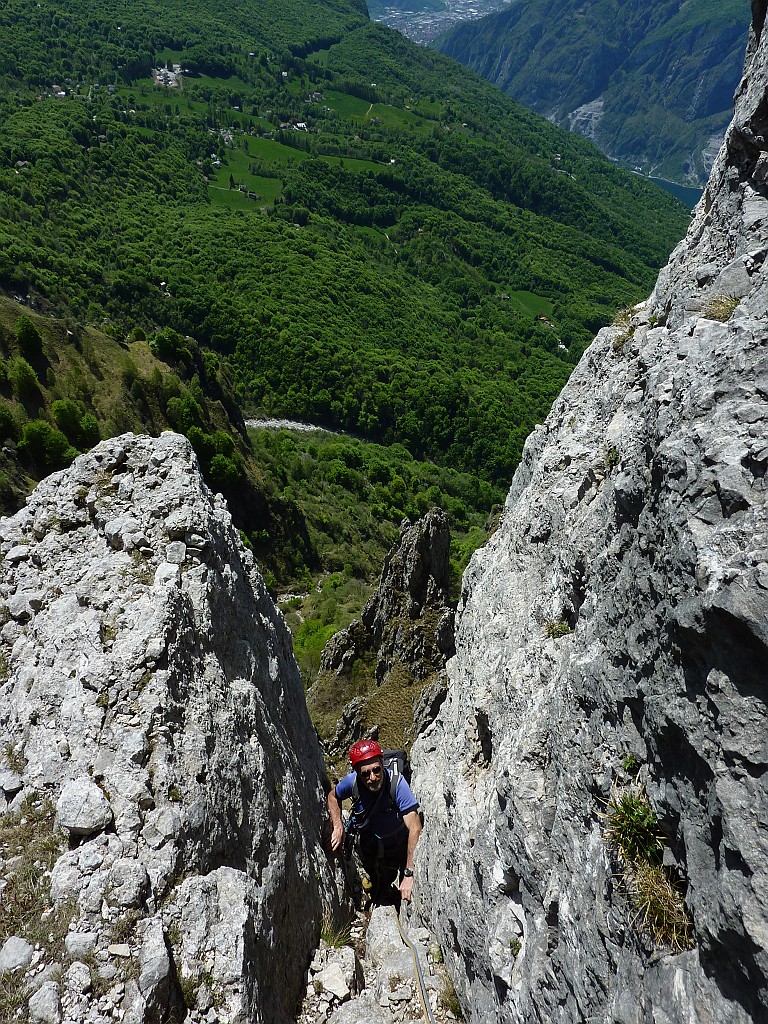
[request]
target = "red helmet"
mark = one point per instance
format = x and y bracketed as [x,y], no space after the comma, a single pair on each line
[363,750]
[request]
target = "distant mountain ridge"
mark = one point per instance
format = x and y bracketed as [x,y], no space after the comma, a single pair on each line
[651,85]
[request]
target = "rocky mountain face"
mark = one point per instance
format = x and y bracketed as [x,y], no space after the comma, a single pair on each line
[611,638]
[650,84]
[405,632]
[162,782]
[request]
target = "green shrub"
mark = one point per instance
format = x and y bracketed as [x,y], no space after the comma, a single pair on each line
[28,337]
[8,427]
[80,428]
[89,430]
[66,415]
[45,446]
[23,379]
[224,473]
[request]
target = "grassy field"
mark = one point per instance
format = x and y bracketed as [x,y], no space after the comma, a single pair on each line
[532,304]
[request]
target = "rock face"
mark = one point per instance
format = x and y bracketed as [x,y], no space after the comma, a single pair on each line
[618,617]
[150,696]
[406,627]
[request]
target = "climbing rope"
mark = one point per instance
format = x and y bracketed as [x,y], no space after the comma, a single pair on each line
[425,1004]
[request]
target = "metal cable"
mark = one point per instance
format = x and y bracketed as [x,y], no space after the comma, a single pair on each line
[425,1003]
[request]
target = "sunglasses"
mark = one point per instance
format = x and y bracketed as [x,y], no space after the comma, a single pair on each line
[370,772]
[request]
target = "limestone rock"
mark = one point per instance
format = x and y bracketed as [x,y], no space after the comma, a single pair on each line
[15,954]
[152,693]
[620,610]
[82,808]
[45,1005]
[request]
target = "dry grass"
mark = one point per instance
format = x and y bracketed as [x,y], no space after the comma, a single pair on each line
[721,307]
[660,909]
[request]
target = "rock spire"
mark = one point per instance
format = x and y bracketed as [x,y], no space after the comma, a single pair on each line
[157,754]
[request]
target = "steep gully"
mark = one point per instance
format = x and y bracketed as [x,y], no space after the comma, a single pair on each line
[151,706]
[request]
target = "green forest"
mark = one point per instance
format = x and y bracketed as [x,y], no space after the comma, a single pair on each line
[283,209]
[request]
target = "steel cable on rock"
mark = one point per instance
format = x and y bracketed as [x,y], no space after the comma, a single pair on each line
[425,1004]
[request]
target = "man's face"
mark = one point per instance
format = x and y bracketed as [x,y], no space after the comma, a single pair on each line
[371,774]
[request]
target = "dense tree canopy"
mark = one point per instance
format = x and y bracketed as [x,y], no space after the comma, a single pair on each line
[349,228]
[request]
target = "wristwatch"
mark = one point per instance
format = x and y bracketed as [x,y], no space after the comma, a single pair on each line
[407,873]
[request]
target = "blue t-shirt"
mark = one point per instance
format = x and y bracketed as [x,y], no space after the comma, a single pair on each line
[386,823]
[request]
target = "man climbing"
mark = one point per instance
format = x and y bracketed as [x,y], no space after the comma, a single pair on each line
[385,814]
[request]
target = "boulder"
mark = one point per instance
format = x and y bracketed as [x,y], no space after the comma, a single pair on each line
[82,809]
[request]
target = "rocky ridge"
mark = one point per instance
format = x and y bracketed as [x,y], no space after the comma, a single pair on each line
[618,618]
[162,782]
[405,631]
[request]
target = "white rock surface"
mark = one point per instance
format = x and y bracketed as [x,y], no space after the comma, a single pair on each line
[82,808]
[15,954]
[153,695]
[637,528]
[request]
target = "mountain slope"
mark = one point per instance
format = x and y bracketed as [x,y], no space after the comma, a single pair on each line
[420,261]
[651,84]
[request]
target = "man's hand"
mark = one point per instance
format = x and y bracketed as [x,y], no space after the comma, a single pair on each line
[337,823]
[406,888]
[337,837]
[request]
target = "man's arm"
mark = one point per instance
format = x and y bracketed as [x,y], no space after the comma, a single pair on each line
[413,824]
[334,810]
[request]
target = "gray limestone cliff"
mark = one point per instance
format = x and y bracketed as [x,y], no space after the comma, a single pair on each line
[619,617]
[162,783]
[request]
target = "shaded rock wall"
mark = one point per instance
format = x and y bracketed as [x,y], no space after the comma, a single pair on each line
[636,527]
[151,696]
[406,628]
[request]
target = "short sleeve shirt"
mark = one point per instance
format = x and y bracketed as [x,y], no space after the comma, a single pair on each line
[386,822]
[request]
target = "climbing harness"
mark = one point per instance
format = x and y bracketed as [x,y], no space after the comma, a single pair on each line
[425,1003]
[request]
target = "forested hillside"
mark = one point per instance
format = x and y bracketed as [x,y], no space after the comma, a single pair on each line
[309,216]
[651,84]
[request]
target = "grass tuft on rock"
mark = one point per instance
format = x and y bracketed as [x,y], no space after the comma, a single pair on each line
[631,830]
[721,307]
[335,932]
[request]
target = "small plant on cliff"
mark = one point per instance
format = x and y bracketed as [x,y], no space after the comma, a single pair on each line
[632,830]
[631,827]
[335,933]
[721,307]
[623,321]
[555,628]
[449,1000]
[612,458]
[630,764]
[14,758]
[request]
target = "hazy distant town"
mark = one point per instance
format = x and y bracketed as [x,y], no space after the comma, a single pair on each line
[422,26]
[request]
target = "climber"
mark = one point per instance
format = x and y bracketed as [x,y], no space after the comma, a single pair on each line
[385,814]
